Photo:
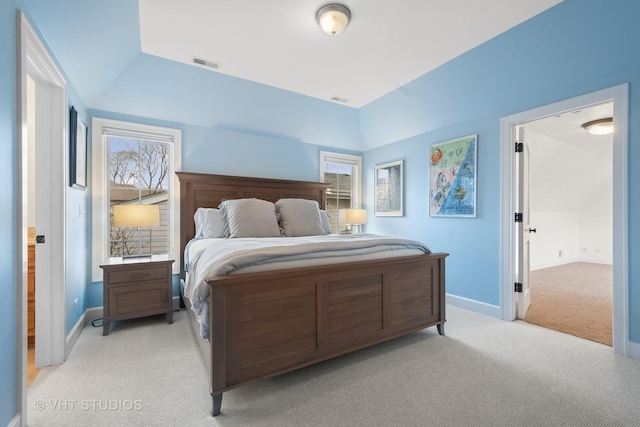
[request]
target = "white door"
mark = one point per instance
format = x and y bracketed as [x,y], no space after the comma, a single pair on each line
[523,228]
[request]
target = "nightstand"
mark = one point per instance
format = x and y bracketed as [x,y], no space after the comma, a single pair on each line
[136,287]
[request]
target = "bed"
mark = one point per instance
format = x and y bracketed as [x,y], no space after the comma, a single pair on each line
[339,308]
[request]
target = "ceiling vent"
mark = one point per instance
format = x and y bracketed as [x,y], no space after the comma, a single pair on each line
[339,99]
[206,63]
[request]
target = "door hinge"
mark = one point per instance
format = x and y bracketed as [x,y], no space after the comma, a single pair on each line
[519,147]
[518,287]
[518,217]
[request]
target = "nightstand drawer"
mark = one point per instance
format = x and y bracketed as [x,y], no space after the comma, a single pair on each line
[137,275]
[141,300]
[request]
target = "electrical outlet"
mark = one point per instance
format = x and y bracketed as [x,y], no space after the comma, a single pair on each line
[75,304]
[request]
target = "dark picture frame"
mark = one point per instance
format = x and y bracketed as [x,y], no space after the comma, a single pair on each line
[77,151]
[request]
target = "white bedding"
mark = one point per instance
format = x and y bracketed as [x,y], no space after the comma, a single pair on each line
[207,258]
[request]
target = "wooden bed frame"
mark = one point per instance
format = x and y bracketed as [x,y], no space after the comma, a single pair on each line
[265,324]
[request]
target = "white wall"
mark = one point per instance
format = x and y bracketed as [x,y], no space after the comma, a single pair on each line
[595,232]
[571,199]
[556,239]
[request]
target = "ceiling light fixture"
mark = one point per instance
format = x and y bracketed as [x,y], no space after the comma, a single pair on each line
[600,126]
[333,18]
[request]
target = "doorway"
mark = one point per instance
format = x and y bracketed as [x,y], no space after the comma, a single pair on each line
[49,113]
[511,233]
[570,232]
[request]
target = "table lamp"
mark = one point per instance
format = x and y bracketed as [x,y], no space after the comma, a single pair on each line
[353,218]
[136,216]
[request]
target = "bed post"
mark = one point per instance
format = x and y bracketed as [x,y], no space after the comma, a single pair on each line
[217,404]
[443,303]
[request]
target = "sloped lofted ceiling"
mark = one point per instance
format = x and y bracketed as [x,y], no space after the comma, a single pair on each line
[570,168]
[276,43]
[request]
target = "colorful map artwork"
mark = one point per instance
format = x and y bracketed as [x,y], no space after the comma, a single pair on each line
[452,178]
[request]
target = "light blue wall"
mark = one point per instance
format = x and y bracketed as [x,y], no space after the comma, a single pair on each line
[233,152]
[8,219]
[77,240]
[577,47]
[78,243]
[167,90]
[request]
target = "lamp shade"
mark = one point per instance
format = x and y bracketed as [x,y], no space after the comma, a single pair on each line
[333,18]
[354,216]
[136,215]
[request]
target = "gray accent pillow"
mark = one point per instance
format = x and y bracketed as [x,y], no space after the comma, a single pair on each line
[209,223]
[326,226]
[299,217]
[250,218]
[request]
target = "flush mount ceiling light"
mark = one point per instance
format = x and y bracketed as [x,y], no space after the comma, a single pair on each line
[600,126]
[333,18]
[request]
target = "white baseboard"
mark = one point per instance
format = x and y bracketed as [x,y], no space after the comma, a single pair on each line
[634,350]
[89,315]
[596,261]
[473,305]
[569,261]
[176,302]
[553,264]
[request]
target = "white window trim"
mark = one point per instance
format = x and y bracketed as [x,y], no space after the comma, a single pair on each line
[100,220]
[328,156]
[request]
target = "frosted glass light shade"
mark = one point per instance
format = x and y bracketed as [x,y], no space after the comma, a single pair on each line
[600,126]
[333,18]
[136,215]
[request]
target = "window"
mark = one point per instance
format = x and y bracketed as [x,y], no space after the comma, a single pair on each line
[134,164]
[343,172]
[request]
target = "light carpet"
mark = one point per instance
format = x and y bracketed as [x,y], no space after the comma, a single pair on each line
[484,372]
[574,298]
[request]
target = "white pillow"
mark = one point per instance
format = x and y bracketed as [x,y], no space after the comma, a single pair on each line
[299,217]
[209,223]
[250,218]
[326,226]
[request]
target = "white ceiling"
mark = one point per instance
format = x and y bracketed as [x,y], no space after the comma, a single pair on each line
[570,168]
[279,43]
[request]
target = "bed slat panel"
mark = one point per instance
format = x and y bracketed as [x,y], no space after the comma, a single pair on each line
[268,341]
[281,322]
[275,307]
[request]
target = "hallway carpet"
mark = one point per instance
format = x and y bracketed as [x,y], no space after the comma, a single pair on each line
[574,298]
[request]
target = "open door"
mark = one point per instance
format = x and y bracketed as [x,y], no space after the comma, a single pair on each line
[523,226]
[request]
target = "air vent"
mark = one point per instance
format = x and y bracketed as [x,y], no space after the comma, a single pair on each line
[206,63]
[339,99]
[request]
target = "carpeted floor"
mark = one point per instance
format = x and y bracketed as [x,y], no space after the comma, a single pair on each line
[574,298]
[484,372]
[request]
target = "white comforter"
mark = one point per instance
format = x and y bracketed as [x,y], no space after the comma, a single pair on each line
[208,258]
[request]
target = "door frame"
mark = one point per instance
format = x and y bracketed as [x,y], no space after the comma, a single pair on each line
[34,60]
[619,95]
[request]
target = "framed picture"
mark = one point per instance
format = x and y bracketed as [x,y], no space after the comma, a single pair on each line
[388,189]
[452,178]
[77,151]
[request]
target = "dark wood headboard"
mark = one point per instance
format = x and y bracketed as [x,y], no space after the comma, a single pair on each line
[208,191]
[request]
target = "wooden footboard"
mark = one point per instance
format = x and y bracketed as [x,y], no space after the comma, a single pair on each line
[265,324]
